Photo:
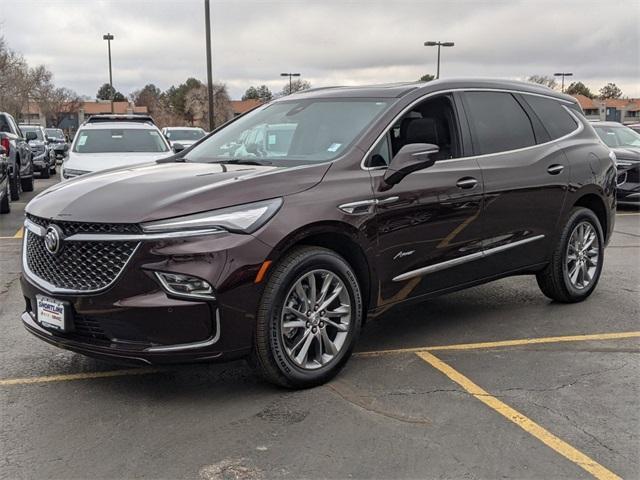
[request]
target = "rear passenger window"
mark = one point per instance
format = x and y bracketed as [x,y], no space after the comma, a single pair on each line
[553,116]
[498,122]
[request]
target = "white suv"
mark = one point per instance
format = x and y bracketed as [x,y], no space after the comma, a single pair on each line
[111,144]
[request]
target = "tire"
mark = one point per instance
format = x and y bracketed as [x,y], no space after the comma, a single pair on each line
[274,343]
[45,173]
[5,206]
[556,280]
[14,185]
[53,169]
[27,184]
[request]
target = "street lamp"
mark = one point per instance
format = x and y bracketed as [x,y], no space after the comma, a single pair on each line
[438,44]
[207,26]
[290,75]
[108,37]
[563,74]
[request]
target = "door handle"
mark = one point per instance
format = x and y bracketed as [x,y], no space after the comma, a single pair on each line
[467,182]
[555,169]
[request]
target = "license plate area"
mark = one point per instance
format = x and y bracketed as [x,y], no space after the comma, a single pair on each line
[52,314]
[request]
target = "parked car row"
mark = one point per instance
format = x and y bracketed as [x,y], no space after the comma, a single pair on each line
[20,158]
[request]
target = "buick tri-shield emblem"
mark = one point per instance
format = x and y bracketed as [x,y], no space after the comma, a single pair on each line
[53,239]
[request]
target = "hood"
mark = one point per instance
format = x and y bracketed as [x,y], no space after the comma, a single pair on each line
[94,162]
[627,153]
[165,190]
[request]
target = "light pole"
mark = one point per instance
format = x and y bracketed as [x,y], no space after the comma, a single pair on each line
[438,44]
[290,75]
[108,37]
[563,74]
[207,24]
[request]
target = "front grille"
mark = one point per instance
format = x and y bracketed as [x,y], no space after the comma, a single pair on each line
[71,228]
[82,266]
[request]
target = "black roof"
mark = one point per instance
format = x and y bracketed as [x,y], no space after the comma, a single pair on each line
[397,90]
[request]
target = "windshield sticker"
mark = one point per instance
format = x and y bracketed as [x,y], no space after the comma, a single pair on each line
[82,140]
[273,139]
[334,147]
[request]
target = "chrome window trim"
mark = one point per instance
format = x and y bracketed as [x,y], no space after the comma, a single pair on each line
[460,260]
[124,237]
[578,129]
[49,287]
[190,346]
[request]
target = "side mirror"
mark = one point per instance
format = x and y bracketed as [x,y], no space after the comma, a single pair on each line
[177,147]
[411,158]
[30,136]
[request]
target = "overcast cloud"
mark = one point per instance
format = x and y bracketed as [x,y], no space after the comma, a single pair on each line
[329,42]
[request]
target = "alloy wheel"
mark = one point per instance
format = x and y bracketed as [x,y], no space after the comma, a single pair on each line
[316,319]
[582,256]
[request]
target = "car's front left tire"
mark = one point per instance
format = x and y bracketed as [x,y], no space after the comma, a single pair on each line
[309,318]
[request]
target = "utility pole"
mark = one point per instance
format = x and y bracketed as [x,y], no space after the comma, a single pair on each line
[563,74]
[207,23]
[438,44]
[108,37]
[290,75]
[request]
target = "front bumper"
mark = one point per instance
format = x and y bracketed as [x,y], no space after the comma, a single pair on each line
[40,162]
[136,321]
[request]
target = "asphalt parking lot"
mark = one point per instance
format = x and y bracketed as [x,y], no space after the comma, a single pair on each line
[492,382]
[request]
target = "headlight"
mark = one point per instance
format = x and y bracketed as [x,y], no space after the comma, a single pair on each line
[70,173]
[245,218]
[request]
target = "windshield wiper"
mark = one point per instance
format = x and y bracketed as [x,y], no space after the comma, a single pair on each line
[245,161]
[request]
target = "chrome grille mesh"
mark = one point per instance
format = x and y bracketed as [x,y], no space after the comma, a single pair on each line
[82,266]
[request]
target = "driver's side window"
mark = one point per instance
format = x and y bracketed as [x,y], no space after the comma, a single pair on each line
[432,121]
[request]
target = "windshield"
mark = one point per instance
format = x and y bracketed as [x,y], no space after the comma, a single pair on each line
[111,140]
[38,131]
[184,134]
[616,137]
[291,133]
[55,133]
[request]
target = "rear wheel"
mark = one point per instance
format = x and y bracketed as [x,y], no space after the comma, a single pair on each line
[45,173]
[5,206]
[309,318]
[14,184]
[576,263]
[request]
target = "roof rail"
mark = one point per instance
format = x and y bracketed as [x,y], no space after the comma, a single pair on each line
[136,118]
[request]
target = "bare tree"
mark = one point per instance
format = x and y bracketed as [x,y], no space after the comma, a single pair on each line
[296,86]
[543,80]
[197,108]
[55,103]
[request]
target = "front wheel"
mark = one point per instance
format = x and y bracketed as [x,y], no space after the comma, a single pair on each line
[576,263]
[309,318]
[5,206]
[27,184]
[14,185]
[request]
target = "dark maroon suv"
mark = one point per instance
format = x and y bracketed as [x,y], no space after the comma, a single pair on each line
[276,236]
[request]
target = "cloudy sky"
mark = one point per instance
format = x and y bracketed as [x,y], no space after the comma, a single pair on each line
[331,42]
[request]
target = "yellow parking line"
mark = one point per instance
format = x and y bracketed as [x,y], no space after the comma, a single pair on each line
[506,343]
[77,376]
[19,233]
[525,423]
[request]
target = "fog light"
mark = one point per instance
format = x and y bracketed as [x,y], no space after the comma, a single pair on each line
[185,285]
